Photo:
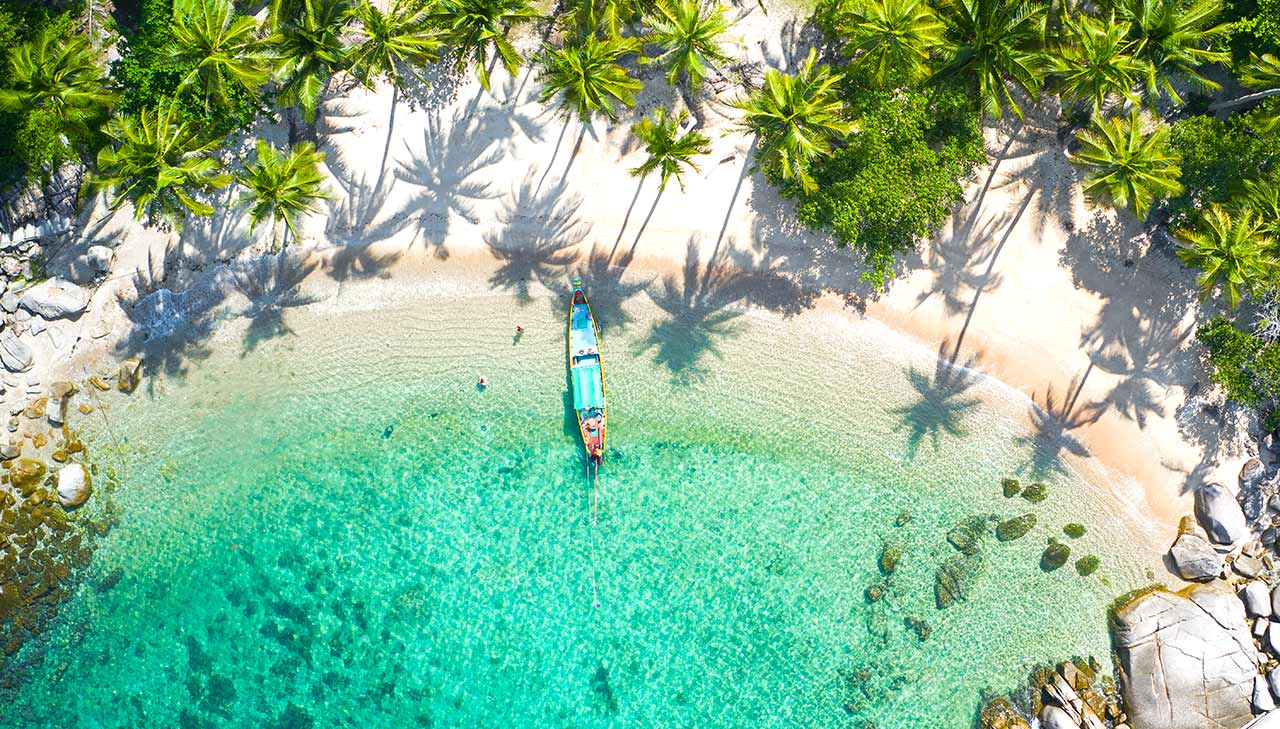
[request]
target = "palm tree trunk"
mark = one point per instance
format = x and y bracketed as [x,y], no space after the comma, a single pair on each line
[1242,100]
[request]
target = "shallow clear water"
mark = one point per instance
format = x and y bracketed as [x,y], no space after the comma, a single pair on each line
[335,528]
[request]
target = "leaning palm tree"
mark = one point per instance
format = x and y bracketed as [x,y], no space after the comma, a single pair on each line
[1261,73]
[794,119]
[399,37]
[667,151]
[890,41]
[689,37]
[1128,166]
[309,48]
[222,49]
[281,186]
[1095,62]
[995,43]
[475,28]
[60,75]
[1176,38]
[587,78]
[1232,250]
[159,162]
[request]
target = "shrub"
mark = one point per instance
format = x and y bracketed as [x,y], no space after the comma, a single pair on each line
[1218,156]
[898,178]
[149,81]
[1246,367]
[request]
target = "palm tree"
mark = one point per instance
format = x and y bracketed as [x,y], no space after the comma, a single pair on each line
[1233,251]
[995,43]
[159,161]
[400,36]
[608,16]
[794,119]
[1095,62]
[1176,38]
[282,186]
[1263,197]
[222,48]
[1129,167]
[309,48]
[689,36]
[472,27]
[890,41]
[668,151]
[587,78]
[60,75]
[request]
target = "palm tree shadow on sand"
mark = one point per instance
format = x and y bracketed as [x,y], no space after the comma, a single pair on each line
[941,404]
[696,315]
[1053,423]
[537,239]
[272,284]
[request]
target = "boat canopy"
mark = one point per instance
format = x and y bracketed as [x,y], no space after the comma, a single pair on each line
[588,387]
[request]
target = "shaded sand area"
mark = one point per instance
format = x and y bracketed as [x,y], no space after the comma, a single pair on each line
[1075,310]
[322,519]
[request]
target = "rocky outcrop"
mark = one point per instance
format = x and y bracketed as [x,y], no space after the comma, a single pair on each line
[1256,599]
[54,299]
[1187,659]
[1220,515]
[1015,528]
[15,355]
[73,485]
[1063,707]
[1269,720]
[130,374]
[999,713]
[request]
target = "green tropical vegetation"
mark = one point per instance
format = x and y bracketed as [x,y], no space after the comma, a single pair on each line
[477,32]
[587,79]
[161,163]
[1233,252]
[1130,166]
[393,40]
[309,47]
[995,46]
[280,186]
[890,41]
[220,48]
[667,151]
[688,36]
[795,118]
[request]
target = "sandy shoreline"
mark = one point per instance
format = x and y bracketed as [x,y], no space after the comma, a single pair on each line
[1073,308]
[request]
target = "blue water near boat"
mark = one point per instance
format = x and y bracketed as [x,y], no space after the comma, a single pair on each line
[337,528]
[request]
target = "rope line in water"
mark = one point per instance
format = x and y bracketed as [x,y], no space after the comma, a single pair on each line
[593,475]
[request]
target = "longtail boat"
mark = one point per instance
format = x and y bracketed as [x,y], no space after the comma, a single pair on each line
[585,376]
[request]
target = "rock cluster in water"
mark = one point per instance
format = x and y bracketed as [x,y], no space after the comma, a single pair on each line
[46,530]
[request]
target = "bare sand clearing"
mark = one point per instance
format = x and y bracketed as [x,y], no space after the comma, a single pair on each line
[1074,307]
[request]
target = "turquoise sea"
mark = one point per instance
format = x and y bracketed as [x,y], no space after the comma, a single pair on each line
[332,526]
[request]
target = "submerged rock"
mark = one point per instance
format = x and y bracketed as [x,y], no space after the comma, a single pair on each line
[1036,492]
[1011,487]
[1087,565]
[919,626]
[967,535]
[889,557]
[1055,555]
[1220,515]
[73,485]
[999,713]
[1186,659]
[1015,528]
[130,374]
[955,577]
[26,473]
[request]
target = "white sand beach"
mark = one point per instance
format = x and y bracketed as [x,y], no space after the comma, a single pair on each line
[1071,306]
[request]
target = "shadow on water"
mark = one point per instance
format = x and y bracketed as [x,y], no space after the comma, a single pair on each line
[272,284]
[169,330]
[697,314]
[941,404]
[1053,423]
[536,240]
[604,275]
